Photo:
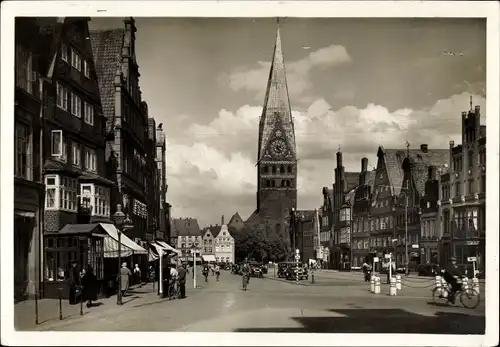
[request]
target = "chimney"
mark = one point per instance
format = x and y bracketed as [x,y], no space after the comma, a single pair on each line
[339,159]
[364,164]
[424,148]
[222,220]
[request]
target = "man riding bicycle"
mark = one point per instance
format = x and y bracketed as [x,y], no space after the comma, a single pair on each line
[205,272]
[450,275]
[245,272]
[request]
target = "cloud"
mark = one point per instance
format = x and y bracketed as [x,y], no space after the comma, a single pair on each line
[216,170]
[298,72]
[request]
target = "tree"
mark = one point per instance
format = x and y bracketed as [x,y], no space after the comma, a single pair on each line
[249,243]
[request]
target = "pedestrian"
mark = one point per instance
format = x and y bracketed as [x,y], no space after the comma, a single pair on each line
[125,275]
[74,280]
[182,280]
[137,275]
[90,288]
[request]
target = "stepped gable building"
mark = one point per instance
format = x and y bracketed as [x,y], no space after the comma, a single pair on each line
[399,182]
[277,157]
[463,194]
[127,152]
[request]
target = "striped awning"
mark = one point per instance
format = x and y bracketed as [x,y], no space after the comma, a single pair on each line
[167,247]
[208,257]
[128,247]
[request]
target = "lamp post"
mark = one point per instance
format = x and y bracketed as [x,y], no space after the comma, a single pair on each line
[194,250]
[122,223]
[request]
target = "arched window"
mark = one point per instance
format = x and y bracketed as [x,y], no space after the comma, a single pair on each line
[282,169]
[268,183]
[290,169]
[273,183]
[265,169]
[282,183]
[288,183]
[274,169]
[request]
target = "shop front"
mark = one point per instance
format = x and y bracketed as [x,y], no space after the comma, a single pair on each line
[74,246]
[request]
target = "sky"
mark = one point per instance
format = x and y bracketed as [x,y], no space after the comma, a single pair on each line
[354,84]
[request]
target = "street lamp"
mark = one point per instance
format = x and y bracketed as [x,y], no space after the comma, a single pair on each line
[194,250]
[122,222]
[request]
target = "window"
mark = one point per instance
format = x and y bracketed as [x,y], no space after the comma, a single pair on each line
[50,192]
[76,61]
[64,52]
[22,165]
[62,97]
[86,69]
[89,113]
[76,105]
[470,158]
[457,189]
[102,202]
[90,160]
[25,77]
[58,145]
[76,153]
[482,184]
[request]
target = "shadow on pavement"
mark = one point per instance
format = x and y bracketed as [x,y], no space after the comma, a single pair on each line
[383,321]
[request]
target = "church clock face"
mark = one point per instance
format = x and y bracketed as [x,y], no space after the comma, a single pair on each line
[278,147]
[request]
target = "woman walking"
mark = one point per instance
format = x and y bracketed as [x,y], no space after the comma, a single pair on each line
[90,288]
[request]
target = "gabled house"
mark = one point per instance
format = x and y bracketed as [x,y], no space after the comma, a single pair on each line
[224,245]
[189,237]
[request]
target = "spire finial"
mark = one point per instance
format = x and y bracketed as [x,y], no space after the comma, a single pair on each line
[407,148]
[339,148]
[471,102]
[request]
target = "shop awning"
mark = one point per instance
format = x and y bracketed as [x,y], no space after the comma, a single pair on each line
[168,247]
[208,257]
[128,246]
[94,229]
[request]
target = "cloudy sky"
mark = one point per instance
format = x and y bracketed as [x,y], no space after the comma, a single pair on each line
[354,84]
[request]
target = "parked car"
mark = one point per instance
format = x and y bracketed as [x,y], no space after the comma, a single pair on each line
[428,269]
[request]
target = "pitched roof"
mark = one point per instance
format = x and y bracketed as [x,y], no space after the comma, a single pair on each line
[186,227]
[213,229]
[235,221]
[422,160]
[106,48]
[351,180]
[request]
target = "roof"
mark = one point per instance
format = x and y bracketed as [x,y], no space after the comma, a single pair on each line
[223,229]
[75,229]
[213,229]
[351,180]
[186,227]
[370,179]
[106,48]
[235,221]
[422,160]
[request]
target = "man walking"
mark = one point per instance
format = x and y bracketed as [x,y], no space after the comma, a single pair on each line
[182,280]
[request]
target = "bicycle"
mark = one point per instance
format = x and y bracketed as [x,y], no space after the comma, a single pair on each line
[174,290]
[463,294]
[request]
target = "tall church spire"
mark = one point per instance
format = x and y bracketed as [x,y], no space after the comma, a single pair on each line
[276,113]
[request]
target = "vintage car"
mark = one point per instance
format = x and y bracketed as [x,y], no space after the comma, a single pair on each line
[289,270]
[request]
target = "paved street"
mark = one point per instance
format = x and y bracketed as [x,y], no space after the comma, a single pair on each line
[273,305]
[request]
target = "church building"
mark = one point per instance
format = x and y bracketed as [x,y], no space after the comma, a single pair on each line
[277,158]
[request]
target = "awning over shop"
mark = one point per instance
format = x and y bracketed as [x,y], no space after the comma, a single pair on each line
[208,257]
[94,229]
[128,246]
[168,247]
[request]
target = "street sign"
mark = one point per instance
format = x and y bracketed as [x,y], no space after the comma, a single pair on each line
[471,259]
[297,257]
[375,259]
[388,256]
[414,246]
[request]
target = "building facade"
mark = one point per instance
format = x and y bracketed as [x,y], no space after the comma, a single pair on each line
[224,246]
[29,190]
[151,182]
[276,160]
[326,228]
[463,194]
[430,219]
[345,183]
[161,167]
[188,236]
[361,216]
[208,239]
[127,125]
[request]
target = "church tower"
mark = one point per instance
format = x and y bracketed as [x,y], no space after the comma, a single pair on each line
[277,159]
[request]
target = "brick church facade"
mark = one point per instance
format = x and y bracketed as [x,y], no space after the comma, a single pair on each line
[277,159]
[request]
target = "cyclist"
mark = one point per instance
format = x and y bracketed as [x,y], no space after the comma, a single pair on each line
[245,272]
[217,271]
[450,275]
[205,272]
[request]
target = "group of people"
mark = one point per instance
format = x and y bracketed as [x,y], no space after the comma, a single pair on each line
[172,277]
[83,285]
[214,268]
